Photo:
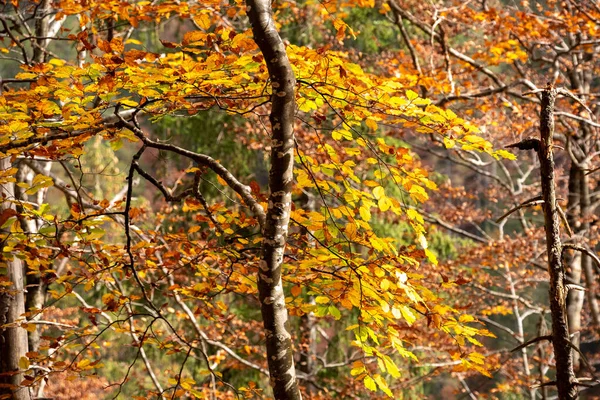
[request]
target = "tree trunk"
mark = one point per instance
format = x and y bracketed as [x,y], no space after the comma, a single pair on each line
[565,377]
[13,340]
[272,299]
[586,260]
[41,31]
[578,212]
[574,265]
[36,288]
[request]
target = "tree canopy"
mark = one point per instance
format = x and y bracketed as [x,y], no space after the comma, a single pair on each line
[300,199]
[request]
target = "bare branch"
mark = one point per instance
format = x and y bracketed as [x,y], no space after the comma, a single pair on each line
[583,250]
[531,202]
[532,341]
[244,191]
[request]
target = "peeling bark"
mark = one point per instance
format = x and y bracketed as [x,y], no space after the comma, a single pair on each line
[274,312]
[565,377]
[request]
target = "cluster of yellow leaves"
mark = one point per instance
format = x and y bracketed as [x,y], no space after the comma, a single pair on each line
[503,52]
[140,12]
[328,78]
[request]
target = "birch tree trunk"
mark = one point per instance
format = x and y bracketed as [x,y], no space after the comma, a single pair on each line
[13,340]
[280,353]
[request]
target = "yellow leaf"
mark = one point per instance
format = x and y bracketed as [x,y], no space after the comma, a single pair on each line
[39,182]
[371,123]
[477,358]
[384,285]
[378,192]
[94,233]
[341,134]
[350,230]
[306,105]
[357,368]
[23,363]
[418,193]
[466,318]
[391,367]
[384,204]
[411,95]
[450,115]
[483,371]
[383,385]
[322,300]
[408,315]
[316,217]
[505,154]
[365,213]
[415,216]
[449,143]
[370,383]
[431,257]
[376,243]
[203,21]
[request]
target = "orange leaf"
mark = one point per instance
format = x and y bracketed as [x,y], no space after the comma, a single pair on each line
[296,291]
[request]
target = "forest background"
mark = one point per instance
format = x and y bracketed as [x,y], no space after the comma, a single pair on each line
[197,198]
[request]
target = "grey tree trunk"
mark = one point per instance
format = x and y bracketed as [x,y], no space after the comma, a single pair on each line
[41,31]
[280,353]
[13,340]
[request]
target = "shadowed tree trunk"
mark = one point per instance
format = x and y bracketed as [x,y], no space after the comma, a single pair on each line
[573,264]
[586,261]
[578,210]
[272,299]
